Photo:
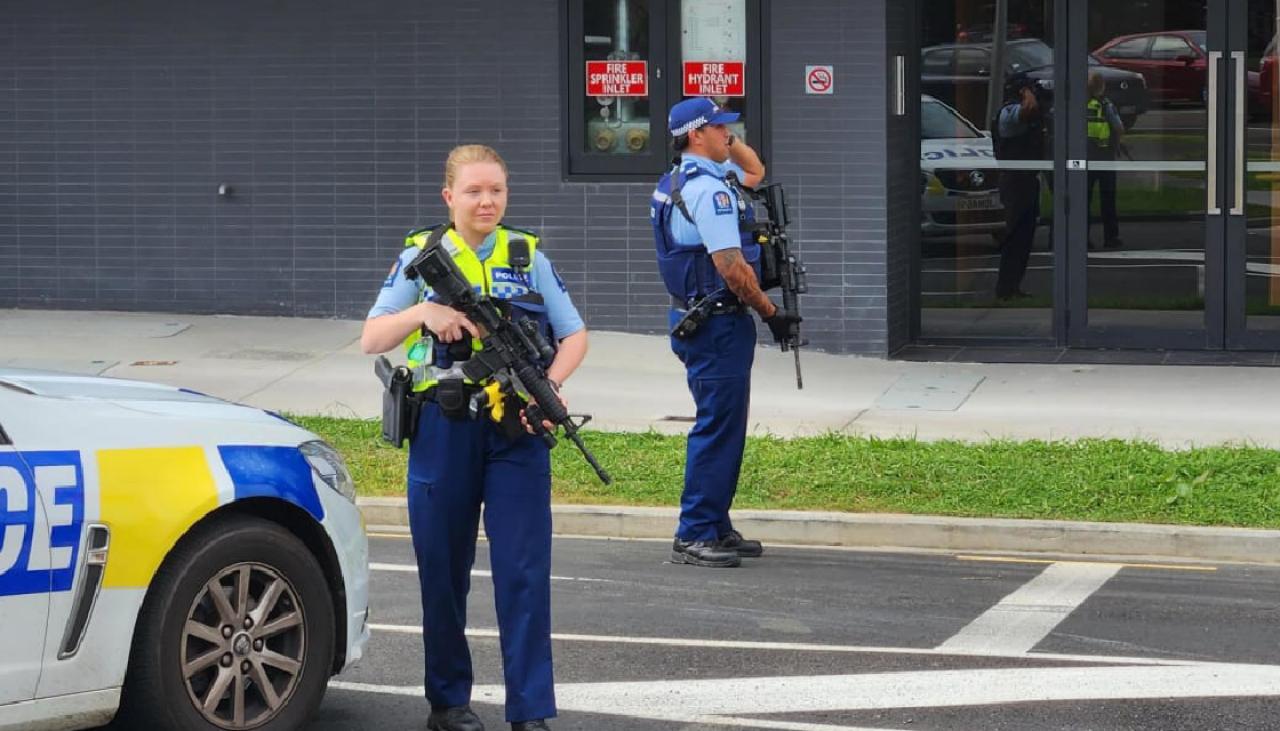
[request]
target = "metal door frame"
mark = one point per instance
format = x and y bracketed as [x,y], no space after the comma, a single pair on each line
[1219,228]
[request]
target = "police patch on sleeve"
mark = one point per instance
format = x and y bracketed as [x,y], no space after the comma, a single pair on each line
[722,203]
[559,281]
[391,276]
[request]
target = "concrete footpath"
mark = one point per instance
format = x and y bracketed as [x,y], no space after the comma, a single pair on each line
[634,383]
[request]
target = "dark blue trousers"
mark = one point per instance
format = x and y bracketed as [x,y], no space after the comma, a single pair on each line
[454,468]
[717,361]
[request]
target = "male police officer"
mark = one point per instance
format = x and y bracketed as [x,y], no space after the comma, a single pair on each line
[1021,134]
[710,267]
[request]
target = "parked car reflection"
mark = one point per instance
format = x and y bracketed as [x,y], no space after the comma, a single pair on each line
[1172,62]
[958,176]
[959,74]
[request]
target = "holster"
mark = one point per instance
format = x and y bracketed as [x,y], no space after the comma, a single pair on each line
[511,426]
[692,319]
[400,405]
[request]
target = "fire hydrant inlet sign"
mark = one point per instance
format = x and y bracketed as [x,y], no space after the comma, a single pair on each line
[714,78]
[617,78]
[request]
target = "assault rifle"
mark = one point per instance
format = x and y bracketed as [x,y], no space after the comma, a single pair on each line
[779,267]
[512,351]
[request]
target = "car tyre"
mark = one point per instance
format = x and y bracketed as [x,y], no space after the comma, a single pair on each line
[288,645]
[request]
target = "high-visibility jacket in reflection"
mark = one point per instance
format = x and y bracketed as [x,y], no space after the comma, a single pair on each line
[1099,125]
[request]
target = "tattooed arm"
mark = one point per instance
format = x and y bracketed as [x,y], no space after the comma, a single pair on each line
[741,278]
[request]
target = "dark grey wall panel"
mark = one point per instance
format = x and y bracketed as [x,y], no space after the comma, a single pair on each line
[830,152]
[902,174]
[118,122]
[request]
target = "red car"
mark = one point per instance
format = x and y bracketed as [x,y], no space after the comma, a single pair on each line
[1262,94]
[1173,62]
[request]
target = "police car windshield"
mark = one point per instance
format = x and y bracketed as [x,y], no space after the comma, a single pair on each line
[940,122]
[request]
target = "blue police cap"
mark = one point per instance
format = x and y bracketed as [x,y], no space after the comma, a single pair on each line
[691,114]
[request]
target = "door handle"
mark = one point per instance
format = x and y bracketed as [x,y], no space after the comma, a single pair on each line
[1237,209]
[1212,208]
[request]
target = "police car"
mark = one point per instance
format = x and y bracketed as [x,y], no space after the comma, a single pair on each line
[958,177]
[194,563]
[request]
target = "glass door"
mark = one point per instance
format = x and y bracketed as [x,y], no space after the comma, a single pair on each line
[1146,174]
[1174,161]
[1253,240]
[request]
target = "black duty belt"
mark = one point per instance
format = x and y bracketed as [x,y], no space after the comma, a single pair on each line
[431,394]
[715,307]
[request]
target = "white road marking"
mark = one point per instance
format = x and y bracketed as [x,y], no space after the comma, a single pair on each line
[495,695]
[721,701]
[491,633]
[410,568]
[1124,564]
[1025,617]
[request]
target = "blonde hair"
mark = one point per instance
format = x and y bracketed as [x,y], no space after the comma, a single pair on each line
[1097,84]
[467,154]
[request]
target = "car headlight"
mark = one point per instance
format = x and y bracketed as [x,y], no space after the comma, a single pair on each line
[329,466]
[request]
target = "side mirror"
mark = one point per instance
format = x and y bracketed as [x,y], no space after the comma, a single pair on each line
[1187,60]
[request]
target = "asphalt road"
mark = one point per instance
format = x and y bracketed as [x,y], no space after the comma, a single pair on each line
[830,640]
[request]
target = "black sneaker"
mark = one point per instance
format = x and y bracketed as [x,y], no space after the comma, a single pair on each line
[733,541]
[457,718]
[704,553]
[538,725]
[1116,243]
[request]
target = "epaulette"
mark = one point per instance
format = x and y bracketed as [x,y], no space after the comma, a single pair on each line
[424,233]
[526,232]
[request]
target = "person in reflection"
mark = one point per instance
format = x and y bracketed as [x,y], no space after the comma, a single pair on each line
[1106,135]
[1021,134]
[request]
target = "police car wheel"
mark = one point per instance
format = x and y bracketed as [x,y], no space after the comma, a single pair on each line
[236,633]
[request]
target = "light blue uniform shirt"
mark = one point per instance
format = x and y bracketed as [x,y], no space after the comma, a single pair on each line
[713,205]
[399,293]
[1011,124]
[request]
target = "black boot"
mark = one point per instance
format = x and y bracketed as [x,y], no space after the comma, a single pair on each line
[704,553]
[538,725]
[733,541]
[457,718]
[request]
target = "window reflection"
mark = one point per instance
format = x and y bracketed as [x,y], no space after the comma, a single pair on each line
[617,121]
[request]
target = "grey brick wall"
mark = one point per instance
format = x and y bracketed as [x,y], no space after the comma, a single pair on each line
[330,122]
[831,153]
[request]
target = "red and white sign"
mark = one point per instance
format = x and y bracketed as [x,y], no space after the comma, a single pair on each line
[819,79]
[617,78]
[715,78]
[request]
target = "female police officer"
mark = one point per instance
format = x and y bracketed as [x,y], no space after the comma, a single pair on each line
[456,463]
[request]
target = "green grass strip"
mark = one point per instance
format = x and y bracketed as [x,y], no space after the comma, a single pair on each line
[1090,479]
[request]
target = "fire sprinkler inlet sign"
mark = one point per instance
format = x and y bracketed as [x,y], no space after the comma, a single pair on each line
[618,78]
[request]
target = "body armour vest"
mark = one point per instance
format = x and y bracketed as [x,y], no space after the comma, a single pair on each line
[1030,145]
[507,275]
[686,268]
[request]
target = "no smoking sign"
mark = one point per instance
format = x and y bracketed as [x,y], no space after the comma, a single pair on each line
[819,80]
